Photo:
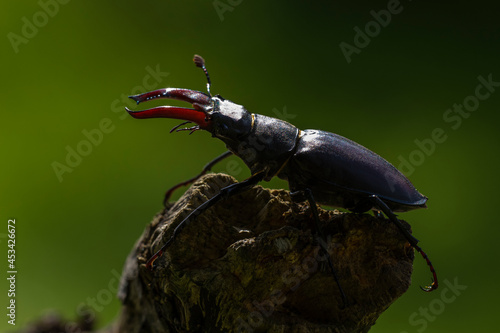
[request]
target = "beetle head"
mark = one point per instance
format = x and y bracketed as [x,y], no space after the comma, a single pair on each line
[229,121]
[226,120]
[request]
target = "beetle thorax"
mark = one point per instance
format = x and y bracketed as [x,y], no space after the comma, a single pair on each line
[268,145]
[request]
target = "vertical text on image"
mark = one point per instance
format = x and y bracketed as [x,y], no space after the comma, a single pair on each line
[11,272]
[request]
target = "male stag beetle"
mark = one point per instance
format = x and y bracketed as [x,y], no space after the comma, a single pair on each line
[320,167]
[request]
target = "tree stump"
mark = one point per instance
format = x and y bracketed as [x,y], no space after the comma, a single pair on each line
[251,263]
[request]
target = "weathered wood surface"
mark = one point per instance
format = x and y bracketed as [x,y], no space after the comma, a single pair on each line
[251,264]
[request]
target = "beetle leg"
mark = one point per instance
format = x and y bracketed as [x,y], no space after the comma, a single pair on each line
[409,237]
[206,168]
[307,194]
[224,193]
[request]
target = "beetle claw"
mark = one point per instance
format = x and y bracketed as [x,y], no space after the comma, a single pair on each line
[199,114]
[185,95]
[173,112]
[430,287]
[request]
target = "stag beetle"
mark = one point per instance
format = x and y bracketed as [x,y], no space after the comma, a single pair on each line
[320,167]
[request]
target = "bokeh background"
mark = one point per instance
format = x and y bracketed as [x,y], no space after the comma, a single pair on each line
[66,72]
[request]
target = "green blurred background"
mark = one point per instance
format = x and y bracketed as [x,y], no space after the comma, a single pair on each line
[69,76]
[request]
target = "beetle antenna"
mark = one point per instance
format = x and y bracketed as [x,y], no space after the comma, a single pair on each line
[200,62]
